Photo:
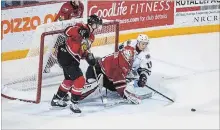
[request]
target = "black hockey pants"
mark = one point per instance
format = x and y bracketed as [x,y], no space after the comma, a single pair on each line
[69,64]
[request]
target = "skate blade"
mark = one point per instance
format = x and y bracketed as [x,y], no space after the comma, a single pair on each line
[76,114]
[57,108]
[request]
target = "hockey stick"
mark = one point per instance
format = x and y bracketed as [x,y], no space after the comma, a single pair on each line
[159,93]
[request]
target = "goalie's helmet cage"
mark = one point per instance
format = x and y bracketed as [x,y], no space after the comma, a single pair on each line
[128,54]
[25,79]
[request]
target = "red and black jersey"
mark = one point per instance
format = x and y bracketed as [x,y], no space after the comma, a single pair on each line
[68,12]
[74,40]
[116,67]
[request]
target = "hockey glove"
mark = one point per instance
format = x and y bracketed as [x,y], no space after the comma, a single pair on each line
[126,43]
[91,59]
[142,80]
[120,47]
[84,33]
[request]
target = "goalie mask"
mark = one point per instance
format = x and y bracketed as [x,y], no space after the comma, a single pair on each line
[143,41]
[125,59]
[94,21]
[128,53]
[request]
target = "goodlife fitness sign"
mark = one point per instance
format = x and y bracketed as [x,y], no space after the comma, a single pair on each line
[135,14]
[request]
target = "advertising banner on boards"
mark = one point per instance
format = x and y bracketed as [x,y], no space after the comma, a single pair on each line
[135,14]
[197,12]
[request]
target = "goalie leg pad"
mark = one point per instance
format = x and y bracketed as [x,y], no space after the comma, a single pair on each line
[90,87]
[130,94]
[132,97]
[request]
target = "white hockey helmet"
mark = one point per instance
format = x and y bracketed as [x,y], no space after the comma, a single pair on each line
[143,38]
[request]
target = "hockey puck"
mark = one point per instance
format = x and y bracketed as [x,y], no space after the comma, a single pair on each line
[193,109]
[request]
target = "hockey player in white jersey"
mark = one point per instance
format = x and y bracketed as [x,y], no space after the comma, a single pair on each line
[142,65]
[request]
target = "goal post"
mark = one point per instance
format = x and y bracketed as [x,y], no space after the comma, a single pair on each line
[27,80]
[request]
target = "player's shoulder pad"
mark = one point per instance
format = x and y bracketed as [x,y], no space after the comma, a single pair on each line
[66,32]
[81,25]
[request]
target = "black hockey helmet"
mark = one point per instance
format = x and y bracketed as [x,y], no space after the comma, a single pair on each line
[75,4]
[94,20]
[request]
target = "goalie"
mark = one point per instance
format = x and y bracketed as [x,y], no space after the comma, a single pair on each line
[132,83]
[114,68]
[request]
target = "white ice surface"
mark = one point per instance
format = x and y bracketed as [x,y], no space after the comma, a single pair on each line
[185,68]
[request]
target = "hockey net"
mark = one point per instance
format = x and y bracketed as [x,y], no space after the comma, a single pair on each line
[24,79]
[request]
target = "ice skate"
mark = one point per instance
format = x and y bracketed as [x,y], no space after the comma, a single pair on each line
[74,108]
[66,98]
[56,101]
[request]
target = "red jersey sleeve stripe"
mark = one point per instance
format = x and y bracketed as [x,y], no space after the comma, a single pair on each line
[67,31]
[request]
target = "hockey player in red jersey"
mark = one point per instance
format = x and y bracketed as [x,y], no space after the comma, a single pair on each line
[115,68]
[69,10]
[78,43]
